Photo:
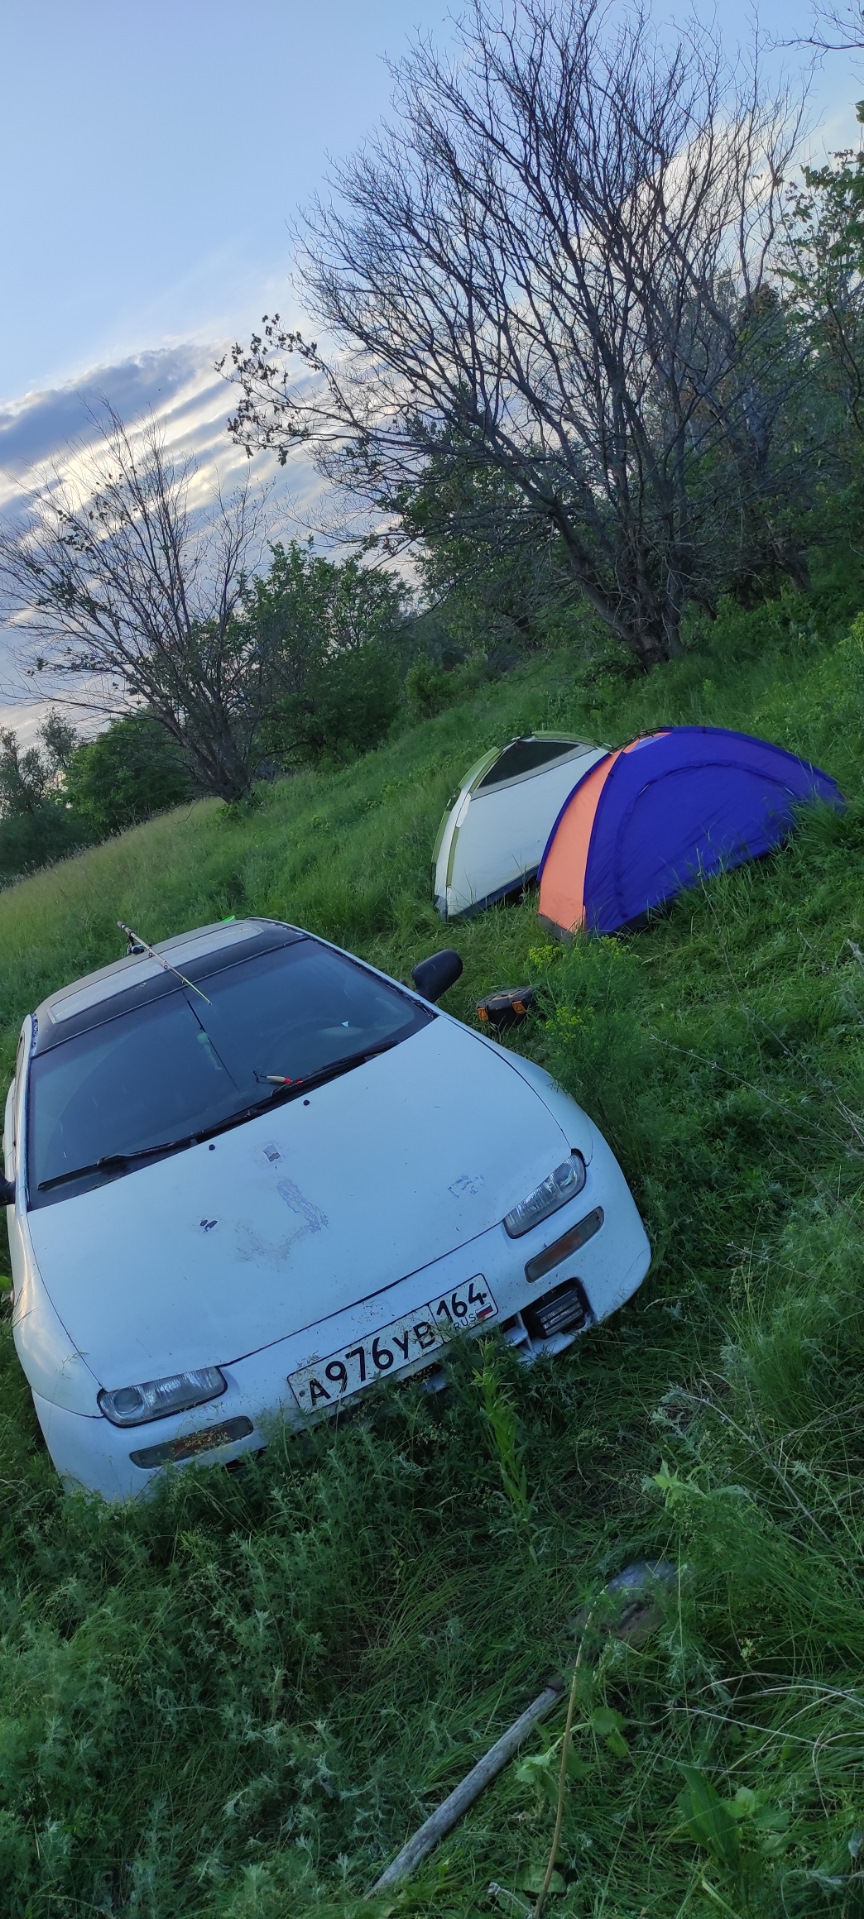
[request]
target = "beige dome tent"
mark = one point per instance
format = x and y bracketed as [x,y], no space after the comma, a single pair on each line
[494,832]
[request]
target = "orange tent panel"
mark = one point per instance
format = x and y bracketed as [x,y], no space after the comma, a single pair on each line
[562,884]
[562,880]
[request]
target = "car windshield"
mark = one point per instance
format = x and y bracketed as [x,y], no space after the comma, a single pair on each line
[182,1064]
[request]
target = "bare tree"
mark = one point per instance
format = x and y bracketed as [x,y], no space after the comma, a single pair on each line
[557,259]
[118,581]
[836,28]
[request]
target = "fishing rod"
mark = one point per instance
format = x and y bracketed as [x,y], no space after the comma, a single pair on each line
[137,945]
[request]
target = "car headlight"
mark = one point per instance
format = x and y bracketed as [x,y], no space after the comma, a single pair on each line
[566,1181]
[134,1405]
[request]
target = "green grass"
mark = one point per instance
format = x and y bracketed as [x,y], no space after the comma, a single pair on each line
[237,1702]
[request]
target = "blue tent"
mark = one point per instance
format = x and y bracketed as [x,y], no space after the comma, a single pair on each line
[665,812]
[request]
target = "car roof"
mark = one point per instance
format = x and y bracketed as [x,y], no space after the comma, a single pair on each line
[138,977]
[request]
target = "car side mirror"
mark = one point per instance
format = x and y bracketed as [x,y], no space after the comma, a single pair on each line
[434,975]
[7,1191]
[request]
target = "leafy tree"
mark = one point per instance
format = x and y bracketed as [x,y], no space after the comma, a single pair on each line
[36,823]
[129,772]
[493,573]
[31,776]
[333,635]
[824,267]
[347,707]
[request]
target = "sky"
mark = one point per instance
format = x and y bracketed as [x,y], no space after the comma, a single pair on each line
[153,157]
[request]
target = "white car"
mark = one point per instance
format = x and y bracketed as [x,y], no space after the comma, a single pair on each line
[247,1175]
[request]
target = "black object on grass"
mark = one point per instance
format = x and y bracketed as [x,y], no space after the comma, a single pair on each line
[507,1006]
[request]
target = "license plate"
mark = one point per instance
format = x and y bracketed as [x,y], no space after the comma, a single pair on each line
[392,1347]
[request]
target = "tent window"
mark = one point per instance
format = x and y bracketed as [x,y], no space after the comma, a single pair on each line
[524,756]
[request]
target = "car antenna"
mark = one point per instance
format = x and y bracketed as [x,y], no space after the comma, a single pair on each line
[137,945]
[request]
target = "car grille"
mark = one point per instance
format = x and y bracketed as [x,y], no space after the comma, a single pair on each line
[565,1310]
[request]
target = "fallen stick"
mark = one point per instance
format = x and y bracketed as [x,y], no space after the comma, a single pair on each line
[469,1788]
[639,1616]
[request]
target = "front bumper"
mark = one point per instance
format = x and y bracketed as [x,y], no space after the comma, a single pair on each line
[89,1452]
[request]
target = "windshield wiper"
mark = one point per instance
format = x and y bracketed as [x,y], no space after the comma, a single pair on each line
[283,1090]
[283,1087]
[110,1161]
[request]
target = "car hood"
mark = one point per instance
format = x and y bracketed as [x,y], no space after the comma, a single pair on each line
[221,1250]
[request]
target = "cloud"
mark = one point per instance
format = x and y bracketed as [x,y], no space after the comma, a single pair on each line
[176,385]
[27,718]
[39,426]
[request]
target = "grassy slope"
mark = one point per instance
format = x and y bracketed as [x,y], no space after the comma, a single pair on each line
[238,1701]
